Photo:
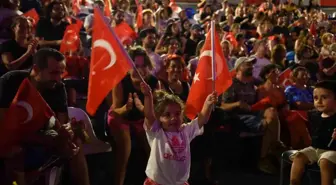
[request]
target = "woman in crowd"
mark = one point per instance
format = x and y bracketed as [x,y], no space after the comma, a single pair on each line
[16,54]
[174,83]
[127,111]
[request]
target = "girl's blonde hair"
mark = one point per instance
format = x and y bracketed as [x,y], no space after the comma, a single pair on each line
[162,99]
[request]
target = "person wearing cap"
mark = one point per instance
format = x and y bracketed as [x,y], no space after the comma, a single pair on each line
[237,101]
[192,41]
[88,22]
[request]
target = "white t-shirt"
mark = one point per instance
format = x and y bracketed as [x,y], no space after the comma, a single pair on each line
[166,166]
[261,62]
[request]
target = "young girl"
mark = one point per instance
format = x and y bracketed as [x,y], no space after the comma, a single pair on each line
[169,138]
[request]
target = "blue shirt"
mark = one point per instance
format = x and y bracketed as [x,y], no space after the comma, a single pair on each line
[294,94]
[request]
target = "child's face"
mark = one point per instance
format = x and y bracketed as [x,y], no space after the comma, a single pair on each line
[324,100]
[171,118]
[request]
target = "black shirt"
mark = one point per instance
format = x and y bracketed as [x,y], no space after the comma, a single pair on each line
[134,114]
[190,48]
[322,130]
[56,98]
[12,47]
[46,30]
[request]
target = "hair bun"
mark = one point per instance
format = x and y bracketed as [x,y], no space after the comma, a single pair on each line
[159,95]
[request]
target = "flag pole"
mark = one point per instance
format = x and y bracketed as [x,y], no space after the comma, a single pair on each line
[123,50]
[213,55]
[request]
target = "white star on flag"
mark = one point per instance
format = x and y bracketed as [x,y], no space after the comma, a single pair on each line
[196,78]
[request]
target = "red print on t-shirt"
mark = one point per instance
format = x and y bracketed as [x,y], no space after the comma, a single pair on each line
[175,141]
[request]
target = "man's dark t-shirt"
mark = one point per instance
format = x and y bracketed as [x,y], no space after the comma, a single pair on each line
[56,98]
[190,48]
[46,30]
[322,130]
[16,51]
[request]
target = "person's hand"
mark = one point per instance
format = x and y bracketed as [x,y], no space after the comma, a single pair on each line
[334,134]
[145,89]
[58,42]
[129,104]
[329,71]
[32,46]
[137,102]
[211,99]
[66,132]
[243,105]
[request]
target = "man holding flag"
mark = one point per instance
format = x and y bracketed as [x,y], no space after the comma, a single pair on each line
[45,76]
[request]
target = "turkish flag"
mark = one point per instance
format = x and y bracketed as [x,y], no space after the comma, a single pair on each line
[202,83]
[233,73]
[327,3]
[27,114]
[107,8]
[297,122]
[109,62]
[139,14]
[76,6]
[174,6]
[262,104]
[230,37]
[33,16]
[71,40]
[284,78]
[125,33]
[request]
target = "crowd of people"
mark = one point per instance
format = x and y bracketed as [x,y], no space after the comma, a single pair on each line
[281,54]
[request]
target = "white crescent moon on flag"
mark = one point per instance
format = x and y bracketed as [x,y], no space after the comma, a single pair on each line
[107,46]
[73,39]
[28,108]
[218,59]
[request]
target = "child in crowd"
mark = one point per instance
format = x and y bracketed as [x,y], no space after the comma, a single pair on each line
[323,149]
[168,137]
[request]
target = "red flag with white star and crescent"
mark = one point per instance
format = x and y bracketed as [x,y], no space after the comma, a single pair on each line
[202,83]
[27,114]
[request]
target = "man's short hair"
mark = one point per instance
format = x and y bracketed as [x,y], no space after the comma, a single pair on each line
[41,57]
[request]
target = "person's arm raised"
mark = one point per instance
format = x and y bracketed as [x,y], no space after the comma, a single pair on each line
[205,113]
[148,105]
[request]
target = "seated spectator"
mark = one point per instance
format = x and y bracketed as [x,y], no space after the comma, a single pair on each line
[261,51]
[227,51]
[239,98]
[270,87]
[45,75]
[50,30]
[300,96]
[322,150]
[278,56]
[88,22]
[174,83]
[17,53]
[9,10]
[192,64]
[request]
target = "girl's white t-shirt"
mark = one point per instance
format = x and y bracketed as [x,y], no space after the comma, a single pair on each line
[166,166]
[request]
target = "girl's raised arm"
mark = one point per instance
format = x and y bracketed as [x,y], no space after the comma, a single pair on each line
[148,105]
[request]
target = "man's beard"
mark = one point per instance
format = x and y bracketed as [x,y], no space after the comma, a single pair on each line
[57,17]
[47,84]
